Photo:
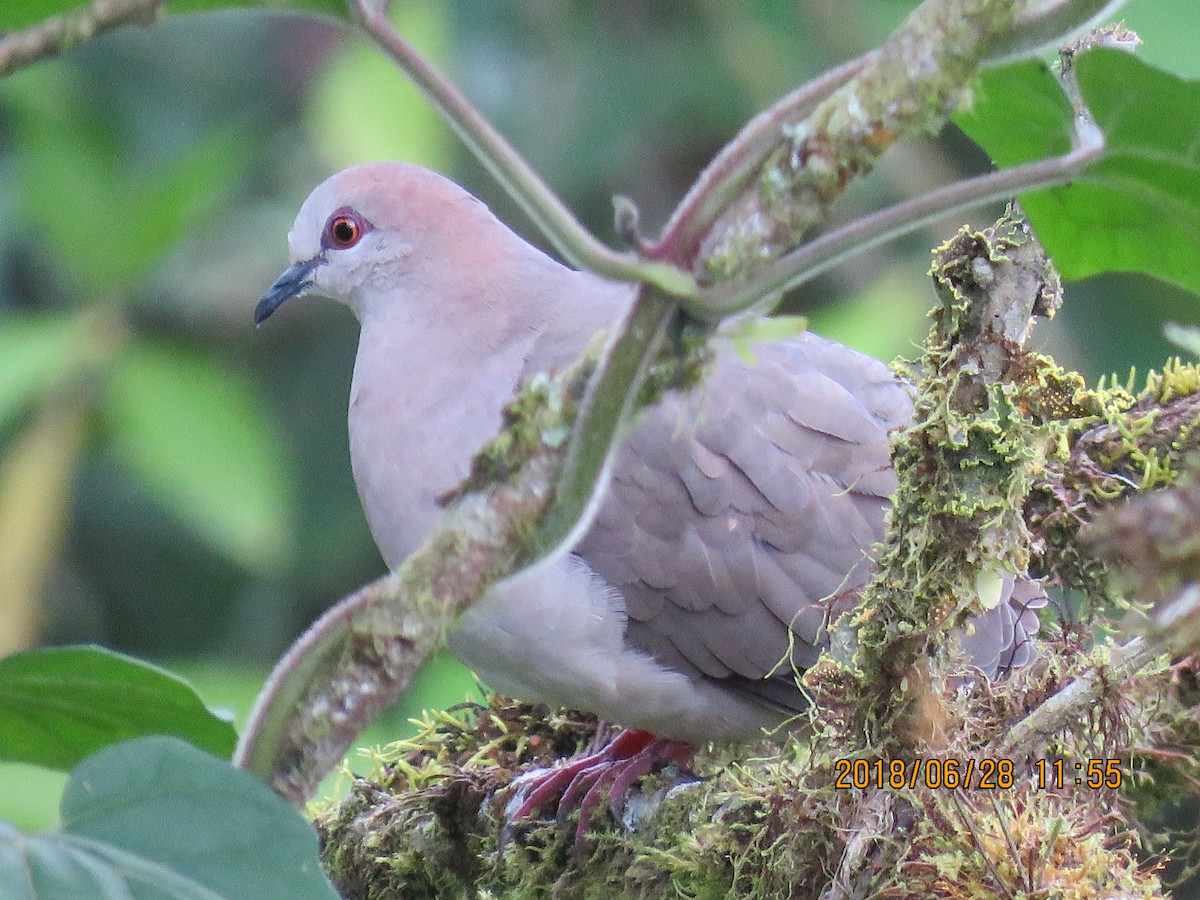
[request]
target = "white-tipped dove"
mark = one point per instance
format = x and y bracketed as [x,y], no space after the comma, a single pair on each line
[734,512]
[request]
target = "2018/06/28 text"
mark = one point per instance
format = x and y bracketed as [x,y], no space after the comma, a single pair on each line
[978,774]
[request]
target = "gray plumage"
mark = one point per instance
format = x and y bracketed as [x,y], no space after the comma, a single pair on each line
[734,513]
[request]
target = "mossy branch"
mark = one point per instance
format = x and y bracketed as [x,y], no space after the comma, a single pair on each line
[1141,443]
[905,88]
[964,467]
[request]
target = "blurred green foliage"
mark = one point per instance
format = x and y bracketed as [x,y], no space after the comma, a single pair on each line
[203,504]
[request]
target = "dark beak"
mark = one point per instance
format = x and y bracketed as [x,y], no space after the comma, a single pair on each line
[292,283]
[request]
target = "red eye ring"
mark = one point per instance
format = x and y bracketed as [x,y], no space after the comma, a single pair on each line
[343,229]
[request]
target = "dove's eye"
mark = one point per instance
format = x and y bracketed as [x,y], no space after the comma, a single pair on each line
[343,229]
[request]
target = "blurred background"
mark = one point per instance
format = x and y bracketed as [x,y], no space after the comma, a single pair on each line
[175,484]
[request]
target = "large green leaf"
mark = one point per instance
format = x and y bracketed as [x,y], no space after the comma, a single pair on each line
[16,14]
[58,705]
[1138,208]
[157,819]
[196,434]
[1018,113]
[37,353]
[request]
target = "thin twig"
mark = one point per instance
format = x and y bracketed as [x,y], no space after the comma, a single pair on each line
[740,158]
[60,33]
[1047,25]
[980,847]
[811,259]
[1063,708]
[1013,850]
[821,254]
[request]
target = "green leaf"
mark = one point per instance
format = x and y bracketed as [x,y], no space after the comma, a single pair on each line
[58,705]
[753,331]
[195,434]
[1138,208]
[37,353]
[1018,113]
[27,13]
[156,818]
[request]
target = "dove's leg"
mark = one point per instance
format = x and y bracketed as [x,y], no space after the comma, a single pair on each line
[579,782]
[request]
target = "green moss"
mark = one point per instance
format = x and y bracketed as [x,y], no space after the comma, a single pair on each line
[541,415]
[1134,443]
[988,421]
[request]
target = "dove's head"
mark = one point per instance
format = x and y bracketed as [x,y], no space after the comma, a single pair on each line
[371,230]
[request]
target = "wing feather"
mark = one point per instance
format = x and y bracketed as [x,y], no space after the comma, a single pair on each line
[736,510]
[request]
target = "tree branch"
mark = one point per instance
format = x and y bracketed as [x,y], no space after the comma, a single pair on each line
[907,87]
[60,33]
[823,253]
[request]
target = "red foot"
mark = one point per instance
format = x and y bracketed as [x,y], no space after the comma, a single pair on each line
[626,758]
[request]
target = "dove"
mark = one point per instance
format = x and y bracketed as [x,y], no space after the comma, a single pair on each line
[734,515]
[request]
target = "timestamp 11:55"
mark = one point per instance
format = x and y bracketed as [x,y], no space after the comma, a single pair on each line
[1091,773]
